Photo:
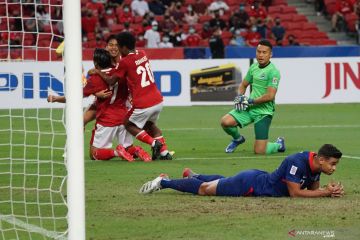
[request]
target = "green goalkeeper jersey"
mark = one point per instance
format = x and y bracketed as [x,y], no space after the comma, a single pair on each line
[260,79]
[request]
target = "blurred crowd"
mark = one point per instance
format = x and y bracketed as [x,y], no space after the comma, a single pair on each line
[166,23]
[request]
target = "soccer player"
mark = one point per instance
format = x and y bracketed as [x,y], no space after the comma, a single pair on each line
[147,101]
[297,176]
[263,78]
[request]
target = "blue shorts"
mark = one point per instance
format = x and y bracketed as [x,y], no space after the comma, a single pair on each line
[240,185]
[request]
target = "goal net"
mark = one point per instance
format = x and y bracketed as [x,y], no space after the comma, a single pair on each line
[33,168]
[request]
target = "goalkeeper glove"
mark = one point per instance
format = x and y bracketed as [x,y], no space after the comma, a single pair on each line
[242,102]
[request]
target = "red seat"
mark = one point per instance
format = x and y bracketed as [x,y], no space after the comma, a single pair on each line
[288,9]
[274,10]
[309,26]
[299,18]
[286,17]
[293,26]
[279,2]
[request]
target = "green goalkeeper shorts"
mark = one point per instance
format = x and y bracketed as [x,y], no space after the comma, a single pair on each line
[261,122]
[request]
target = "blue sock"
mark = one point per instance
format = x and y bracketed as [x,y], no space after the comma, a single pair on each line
[208,178]
[190,185]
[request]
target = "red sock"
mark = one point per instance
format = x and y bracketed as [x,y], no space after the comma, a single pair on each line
[103,154]
[132,149]
[144,137]
[164,146]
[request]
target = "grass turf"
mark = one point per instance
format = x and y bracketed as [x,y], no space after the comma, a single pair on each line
[115,210]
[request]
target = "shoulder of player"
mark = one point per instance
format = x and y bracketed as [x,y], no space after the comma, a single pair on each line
[298,159]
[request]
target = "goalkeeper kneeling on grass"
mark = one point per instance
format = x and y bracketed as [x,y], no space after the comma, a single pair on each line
[263,77]
[297,176]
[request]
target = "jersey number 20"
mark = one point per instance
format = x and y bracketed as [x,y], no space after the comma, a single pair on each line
[145,74]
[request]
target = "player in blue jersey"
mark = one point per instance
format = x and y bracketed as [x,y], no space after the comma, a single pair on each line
[297,176]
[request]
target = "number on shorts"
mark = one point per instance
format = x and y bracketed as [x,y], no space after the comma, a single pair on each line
[145,71]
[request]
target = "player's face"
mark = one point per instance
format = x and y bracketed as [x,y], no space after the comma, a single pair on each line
[263,54]
[113,48]
[328,166]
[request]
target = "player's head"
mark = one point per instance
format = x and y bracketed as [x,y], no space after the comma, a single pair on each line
[264,52]
[102,58]
[112,46]
[126,42]
[328,156]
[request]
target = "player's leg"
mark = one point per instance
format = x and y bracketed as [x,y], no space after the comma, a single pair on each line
[136,122]
[188,185]
[262,145]
[125,139]
[89,114]
[151,128]
[101,144]
[188,173]
[230,123]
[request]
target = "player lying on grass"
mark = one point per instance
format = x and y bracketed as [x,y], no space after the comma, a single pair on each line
[297,176]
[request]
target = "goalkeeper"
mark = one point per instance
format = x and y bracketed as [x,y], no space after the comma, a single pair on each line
[263,77]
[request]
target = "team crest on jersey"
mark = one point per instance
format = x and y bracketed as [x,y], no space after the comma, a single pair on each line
[274,80]
[293,170]
[262,76]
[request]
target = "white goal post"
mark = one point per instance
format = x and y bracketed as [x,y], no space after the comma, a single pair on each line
[74,120]
[42,193]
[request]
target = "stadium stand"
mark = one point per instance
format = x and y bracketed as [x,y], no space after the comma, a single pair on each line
[105,17]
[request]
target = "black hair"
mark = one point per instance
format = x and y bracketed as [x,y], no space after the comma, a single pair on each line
[102,58]
[126,39]
[111,37]
[266,42]
[329,150]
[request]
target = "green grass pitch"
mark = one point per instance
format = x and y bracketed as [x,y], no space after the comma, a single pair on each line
[115,210]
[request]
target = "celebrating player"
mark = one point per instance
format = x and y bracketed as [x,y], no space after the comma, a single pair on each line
[134,69]
[297,176]
[263,77]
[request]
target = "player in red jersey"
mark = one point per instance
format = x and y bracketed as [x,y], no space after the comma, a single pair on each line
[147,101]
[110,113]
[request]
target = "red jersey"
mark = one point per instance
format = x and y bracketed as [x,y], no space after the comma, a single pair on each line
[135,70]
[110,111]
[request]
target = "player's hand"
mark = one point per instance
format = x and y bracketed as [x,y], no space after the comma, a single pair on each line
[51,98]
[92,71]
[241,103]
[103,94]
[336,189]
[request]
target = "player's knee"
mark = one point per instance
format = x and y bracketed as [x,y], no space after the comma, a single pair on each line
[226,121]
[203,190]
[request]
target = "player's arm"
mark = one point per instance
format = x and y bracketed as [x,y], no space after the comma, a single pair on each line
[109,79]
[242,87]
[329,191]
[105,93]
[59,99]
[267,97]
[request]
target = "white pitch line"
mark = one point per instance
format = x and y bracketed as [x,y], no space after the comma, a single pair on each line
[31,228]
[238,157]
[351,157]
[280,127]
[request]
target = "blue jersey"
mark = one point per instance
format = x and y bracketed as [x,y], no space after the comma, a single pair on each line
[297,168]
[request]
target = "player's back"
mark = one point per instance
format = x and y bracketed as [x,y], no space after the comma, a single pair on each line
[112,110]
[135,67]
